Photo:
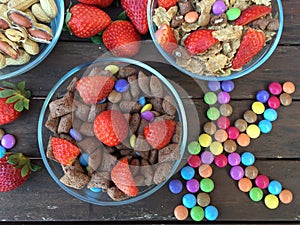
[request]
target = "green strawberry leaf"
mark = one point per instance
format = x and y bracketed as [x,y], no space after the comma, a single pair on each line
[97,39]
[26,103]
[12,99]
[7,93]
[21,85]
[19,106]
[122,16]
[68,16]
[276,15]
[9,85]
[34,167]
[12,161]
[25,170]
[27,94]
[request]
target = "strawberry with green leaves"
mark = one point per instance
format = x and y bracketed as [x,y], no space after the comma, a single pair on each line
[64,151]
[99,3]
[15,169]
[93,89]
[252,42]
[111,127]
[136,10]
[252,13]
[122,39]
[123,179]
[199,41]
[13,99]
[85,21]
[165,38]
[159,133]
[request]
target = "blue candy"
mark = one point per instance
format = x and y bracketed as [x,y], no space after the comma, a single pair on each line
[102,101]
[83,159]
[214,85]
[262,96]
[270,114]
[187,172]
[189,200]
[274,187]
[265,126]
[227,86]
[75,134]
[142,101]
[121,85]
[175,186]
[96,190]
[2,151]
[247,159]
[211,213]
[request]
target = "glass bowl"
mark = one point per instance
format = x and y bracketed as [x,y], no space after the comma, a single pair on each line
[45,49]
[256,61]
[55,169]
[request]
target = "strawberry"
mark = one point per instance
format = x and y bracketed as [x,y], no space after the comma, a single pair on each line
[99,3]
[252,13]
[159,133]
[199,41]
[15,169]
[64,151]
[252,42]
[85,21]
[136,10]
[111,127]
[12,101]
[93,89]
[166,3]
[122,39]
[123,179]
[166,38]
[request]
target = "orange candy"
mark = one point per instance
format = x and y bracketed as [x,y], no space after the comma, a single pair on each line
[286,196]
[181,212]
[221,135]
[288,87]
[205,170]
[245,184]
[191,17]
[243,140]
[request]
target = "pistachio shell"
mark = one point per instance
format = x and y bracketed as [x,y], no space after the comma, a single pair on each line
[39,13]
[3,8]
[23,58]
[16,34]
[20,4]
[49,7]
[29,13]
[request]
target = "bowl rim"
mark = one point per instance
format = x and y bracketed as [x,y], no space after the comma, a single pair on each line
[31,64]
[181,112]
[262,59]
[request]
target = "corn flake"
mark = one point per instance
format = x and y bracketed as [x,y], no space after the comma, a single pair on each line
[262,2]
[217,63]
[229,33]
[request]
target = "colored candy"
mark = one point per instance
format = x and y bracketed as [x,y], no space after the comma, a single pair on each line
[271,201]
[209,128]
[262,181]
[203,199]
[236,172]
[265,126]
[187,172]
[285,99]
[270,114]
[207,185]
[132,140]
[96,190]
[112,68]
[243,140]
[233,13]
[192,185]
[216,148]
[189,200]
[221,136]
[241,125]
[181,212]
[2,151]
[286,196]
[214,85]
[234,159]
[219,7]
[230,146]
[148,115]
[258,108]
[256,194]
[274,102]
[227,86]
[146,107]
[175,186]
[142,101]
[262,96]
[220,161]
[275,88]
[207,157]
[194,147]
[223,97]
[251,172]
[223,122]
[253,131]
[210,98]
[75,134]
[245,184]
[275,187]
[8,141]
[194,161]
[84,158]
[247,159]
[197,213]
[121,85]
[213,113]
[233,133]
[205,170]
[250,116]
[205,140]
[226,110]
[211,213]
[288,87]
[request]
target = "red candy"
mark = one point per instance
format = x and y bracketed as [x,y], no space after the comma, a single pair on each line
[194,161]
[262,181]
[233,133]
[220,161]
[223,122]
[274,102]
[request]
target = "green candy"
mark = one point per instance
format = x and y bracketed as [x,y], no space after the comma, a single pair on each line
[197,213]
[194,148]
[233,13]
[256,194]
[213,113]
[210,98]
[207,185]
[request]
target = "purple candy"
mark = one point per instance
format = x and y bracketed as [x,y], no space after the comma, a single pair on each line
[75,134]
[223,97]
[227,86]
[8,141]
[207,157]
[192,185]
[237,172]
[234,159]
[147,115]
[214,85]
[219,7]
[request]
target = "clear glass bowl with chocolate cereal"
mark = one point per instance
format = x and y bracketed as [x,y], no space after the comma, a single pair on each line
[112,131]
[211,39]
[27,44]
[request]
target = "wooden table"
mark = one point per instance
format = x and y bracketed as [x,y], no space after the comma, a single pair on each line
[278,154]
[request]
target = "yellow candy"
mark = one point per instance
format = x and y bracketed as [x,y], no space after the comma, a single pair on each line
[146,107]
[205,140]
[112,68]
[132,140]
[253,131]
[258,108]
[271,201]
[216,148]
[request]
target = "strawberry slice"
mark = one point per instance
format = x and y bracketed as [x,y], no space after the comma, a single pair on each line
[167,4]
[93,89]
[199,41]
[252,42]
[252,13]
[166,38]
[159,133]
[64,151]
[123,179]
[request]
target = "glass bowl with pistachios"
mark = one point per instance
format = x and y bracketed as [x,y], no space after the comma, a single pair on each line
[29,30]
[216,39]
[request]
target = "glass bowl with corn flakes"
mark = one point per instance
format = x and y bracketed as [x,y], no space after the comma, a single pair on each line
[29,30]
[215,39]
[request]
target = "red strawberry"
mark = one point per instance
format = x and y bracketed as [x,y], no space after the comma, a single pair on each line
[166,38]
[167,3]
[252,42]
[159,133]
[12,101]
[123,179]
[199,41]
[86,21]
[252,13]
[111,127]
[64,151]
[136,10]
[100,3]
[15,169]
[93,89]
[122,39]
